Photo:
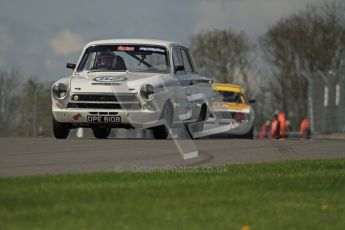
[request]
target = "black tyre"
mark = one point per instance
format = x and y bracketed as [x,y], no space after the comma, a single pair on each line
[199,126]
[101,133]
[162,132]
[60,130]
[250,134]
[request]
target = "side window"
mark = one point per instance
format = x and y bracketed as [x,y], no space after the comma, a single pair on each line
[187,63]
[177,58]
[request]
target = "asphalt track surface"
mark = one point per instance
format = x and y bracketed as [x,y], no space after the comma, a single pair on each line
[21,156]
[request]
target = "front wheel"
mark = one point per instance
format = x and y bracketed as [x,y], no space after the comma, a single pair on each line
[60,130]
[101,133]
[199,125]
[250,134]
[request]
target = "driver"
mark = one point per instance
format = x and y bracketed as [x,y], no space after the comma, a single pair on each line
[105,60]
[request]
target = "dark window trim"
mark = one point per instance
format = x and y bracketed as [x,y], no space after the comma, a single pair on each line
[189,57]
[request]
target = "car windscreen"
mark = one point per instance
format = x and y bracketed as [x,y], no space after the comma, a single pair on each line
[133,58]
[230,97]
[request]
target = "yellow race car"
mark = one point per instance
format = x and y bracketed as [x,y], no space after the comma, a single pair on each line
[230,105]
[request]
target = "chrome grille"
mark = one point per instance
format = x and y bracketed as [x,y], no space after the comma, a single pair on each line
[103,101]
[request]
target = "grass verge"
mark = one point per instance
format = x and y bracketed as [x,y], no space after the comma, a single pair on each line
[284,195]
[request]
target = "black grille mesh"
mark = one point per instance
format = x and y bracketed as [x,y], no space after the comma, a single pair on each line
[106,98]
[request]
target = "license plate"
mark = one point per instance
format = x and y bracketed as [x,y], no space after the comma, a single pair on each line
[103,119]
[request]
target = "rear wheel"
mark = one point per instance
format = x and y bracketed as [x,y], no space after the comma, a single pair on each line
[162,132]
[60,130]
[101,133]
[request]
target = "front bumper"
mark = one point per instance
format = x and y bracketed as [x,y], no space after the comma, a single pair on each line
[240,128]
[225,118]
[130,118]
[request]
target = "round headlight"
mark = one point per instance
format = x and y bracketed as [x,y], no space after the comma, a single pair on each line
[147,92]
[59,91]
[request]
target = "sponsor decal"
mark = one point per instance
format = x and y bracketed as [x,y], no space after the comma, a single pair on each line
[125,48]
[152,49]
[109,79]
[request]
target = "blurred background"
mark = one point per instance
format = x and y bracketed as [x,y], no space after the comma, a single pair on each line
[288,55]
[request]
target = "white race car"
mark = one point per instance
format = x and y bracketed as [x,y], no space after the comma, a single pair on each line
[130,83]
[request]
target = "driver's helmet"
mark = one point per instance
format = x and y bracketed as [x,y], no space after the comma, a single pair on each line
[105,60]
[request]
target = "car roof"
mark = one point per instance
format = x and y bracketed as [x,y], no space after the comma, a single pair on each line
[135,41]
[228,87]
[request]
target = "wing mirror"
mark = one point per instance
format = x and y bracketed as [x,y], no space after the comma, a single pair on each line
[70,66]
[252,101]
